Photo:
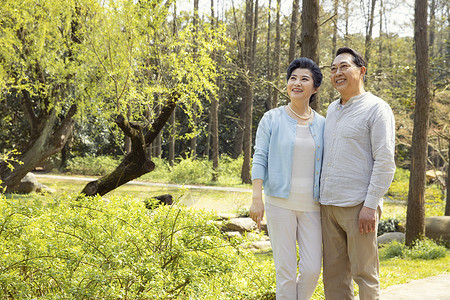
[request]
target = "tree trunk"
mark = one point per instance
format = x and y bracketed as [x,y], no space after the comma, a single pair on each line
[310,35]
[51,139]
[194,115]
[251,36]
[268,64]
[415,215]
[294,27]
[158,139]
[173,116]
[334,41]
[215,112]
[277,59]
[447,201]
[134,164]
[369,29]
[172,138]
[432,26]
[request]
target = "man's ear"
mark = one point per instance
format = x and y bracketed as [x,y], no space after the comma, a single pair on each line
[363,71]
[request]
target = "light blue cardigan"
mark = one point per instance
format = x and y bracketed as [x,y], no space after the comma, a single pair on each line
[274,149]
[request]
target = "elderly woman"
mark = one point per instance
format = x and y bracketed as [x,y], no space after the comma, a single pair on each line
[287,162]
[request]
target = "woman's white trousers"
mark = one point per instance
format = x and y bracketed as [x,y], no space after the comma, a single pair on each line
[286,227]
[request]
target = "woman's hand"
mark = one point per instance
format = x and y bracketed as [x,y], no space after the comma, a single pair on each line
[257,207]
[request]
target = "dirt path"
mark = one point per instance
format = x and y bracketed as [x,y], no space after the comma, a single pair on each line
[137,182]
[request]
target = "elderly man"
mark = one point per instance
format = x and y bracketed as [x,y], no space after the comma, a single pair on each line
[358,167]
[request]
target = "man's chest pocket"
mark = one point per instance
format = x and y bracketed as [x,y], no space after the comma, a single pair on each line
[356,129]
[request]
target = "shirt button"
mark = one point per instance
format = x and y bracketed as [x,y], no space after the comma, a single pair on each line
[317,173]
[318,146]
[317,159]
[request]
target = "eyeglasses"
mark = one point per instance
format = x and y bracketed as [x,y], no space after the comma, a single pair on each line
[341,68]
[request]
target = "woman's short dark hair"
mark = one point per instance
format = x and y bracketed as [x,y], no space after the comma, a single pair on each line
[306,63]
[357,58]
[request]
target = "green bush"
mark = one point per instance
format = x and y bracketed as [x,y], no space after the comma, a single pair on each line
[388,225]
[394,249]
[421,249]
[191,171]
[91,248]
[92,165]
[425,249]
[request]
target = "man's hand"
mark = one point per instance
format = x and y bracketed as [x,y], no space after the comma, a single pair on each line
[367,220]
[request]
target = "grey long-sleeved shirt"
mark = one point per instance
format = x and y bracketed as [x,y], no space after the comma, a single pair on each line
[359,145]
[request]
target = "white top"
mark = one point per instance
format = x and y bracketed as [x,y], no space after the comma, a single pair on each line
[358,158]
[301,196]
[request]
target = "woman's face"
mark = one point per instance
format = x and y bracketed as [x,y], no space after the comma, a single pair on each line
[300,85]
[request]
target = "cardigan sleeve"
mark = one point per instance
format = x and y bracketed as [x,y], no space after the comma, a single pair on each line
[261,154]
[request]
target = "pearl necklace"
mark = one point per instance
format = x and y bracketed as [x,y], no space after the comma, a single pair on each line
[303,118]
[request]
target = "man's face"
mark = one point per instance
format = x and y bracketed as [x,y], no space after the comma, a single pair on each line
[346,77]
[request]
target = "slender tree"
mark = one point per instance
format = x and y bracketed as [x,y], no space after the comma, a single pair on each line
[215,109]
[369,29]
[250,42]
[415,215]
[294,28]
[277,57]
[269,66]
[310,35]
[194,116]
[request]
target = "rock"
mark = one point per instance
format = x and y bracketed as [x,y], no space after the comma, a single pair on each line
[259,246]
[239,224]
[232,234]
[27,185]
[225,216]
[438,228]
[43,189]
[391,236]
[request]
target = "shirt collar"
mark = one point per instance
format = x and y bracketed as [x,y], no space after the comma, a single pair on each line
[353,99]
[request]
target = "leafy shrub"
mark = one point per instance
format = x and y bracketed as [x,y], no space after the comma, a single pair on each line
[191,171]
[90,248]
[388,225]
[425,249]
[421,249]
[394,249]
[92,165]
[230,170]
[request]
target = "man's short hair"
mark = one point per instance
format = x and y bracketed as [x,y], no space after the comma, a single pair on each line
[357,58]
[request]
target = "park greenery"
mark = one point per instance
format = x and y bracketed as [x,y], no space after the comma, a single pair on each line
[88,87]
[75,247]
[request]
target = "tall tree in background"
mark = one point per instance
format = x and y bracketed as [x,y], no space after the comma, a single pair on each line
[294,28]
[369,28]
[172,121]
[215,108]
[195,117]
[332,92]
[415,215]
[269,65]
[277,56]
[251,21]
[310,35]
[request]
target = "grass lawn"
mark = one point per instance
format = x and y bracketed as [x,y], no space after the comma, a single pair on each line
[392,271]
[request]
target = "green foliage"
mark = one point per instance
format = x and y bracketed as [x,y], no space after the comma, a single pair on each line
[92,165]
[421,249]
[400,185]
[434,197]
[89,248]
[191,170]
[387,225]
